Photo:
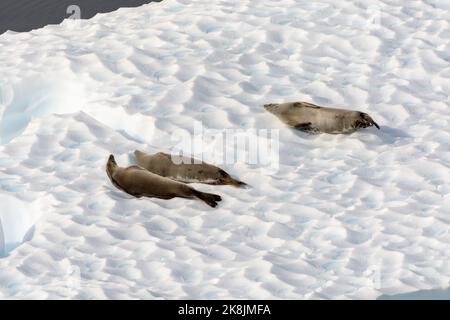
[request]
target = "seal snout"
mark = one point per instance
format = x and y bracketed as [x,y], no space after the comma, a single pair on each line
[112,159]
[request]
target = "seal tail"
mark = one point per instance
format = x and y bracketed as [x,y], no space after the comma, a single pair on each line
[209,198]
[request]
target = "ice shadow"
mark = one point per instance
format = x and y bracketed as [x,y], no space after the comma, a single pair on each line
[386,134]
[436,294]
[37,97]
[17,223]
[389,135]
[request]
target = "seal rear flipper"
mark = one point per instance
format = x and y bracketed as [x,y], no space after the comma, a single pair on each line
[133,194]
[209,198]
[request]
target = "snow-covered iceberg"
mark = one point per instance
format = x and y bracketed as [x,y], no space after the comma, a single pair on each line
[344,216]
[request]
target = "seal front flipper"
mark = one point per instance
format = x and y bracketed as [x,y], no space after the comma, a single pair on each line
[136,195]
[303,126]
[306,127]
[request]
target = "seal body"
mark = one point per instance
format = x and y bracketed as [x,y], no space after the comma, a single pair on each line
[315,119]
[184,169]
[139,182]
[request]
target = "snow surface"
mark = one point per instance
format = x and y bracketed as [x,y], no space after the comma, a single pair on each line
[345,216]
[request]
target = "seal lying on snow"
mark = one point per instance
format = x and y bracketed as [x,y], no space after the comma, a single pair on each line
[139,182]
[184,169]
[314,119]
